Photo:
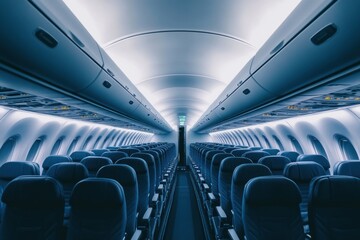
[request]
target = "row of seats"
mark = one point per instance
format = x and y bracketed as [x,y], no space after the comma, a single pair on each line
[222,176]
[144,180]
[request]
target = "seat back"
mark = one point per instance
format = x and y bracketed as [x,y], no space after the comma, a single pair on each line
[271,209]
[126,176]
[348,168]
[99,151]
[13,169]
[208,158]
[271,151]
[34,209]
[320,159]
[129,151]
[114,155]
[94,163]
[149,159]
[98,210]
[334,208]
[157,163]
[239,152]
[227,167]
[292,155]
[255,155]
[242,174]
[142,175]
[215,166]
[77,156]
[53,159]
[275,163]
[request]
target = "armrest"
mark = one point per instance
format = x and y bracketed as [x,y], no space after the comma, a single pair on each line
[211,196]
[155,198]
[202,179]
[232,234]
[147,214]
[221,213]
[137,235]
[206,187]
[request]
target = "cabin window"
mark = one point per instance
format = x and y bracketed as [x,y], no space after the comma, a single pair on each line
[105,140]
[7,148]
[257,139]
[97,141]
[56,147]
[268,145]
[72,145]
[278,142]
[296,145]
[247,141]
[318,147]
[253,143]
[34,150]
[86,143]
[347,149]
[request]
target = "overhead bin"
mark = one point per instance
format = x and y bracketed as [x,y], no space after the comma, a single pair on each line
[324,44]
[33,44]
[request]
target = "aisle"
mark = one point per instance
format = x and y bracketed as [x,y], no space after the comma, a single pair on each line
[184,220]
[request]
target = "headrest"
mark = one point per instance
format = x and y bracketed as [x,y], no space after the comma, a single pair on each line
[272,190]
[335,190]
[217,158]
[349,168]
[211,153]
[99,193]
[99,151]
[33,191]
[13,169]
[245,172]
[122,173]
[275,162]
[320,159]
[255,155]
[292,155]
[77,156]
[149,159]
[115,155]
[94,163]
[138,164]
[129,151]
[153,153]
[68,172]
[53,159]
[303,171]
[230,163]
[240,152]
[271,151]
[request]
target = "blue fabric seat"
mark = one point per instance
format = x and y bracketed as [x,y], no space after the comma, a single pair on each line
[13,169]
[53,159]
[126,176]
[334,208]
[98,210]
[115,155]
[275,163]
[240,152]
[34,209]
[292,155]
[271,209]
[255,155]
[208,159]
[348,168]
[320,159]
[99,151]
[157,163]
[215,167]
[302,173]
[242,174]
[77,156]
[271,151]
[129,151]
[94,163]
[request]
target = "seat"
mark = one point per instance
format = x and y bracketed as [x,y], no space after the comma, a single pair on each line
[208,158]
[334,208]
[126,176]
[320,159]
[94,163]
[240,152]
[114,155]
[34,209]
[271,151]
[11,170]
[157,163]
[98,210]
[215,167]
[348,168]
[242,174]
[275,163]
[292,155]
[302,173]
[53,159]
[99,151]
[77,156]
[129,151]
[255,155]
[271,209]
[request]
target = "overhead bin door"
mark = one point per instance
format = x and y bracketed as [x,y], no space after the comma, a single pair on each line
[33,44]
[326,46]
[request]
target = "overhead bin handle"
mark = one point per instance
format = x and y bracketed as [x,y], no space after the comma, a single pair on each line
[76,40]
[46,38]
[324,34]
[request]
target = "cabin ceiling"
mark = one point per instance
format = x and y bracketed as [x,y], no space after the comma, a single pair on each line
[181,54]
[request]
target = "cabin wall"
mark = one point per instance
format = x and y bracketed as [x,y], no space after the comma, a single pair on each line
[335,130]
[32,137]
